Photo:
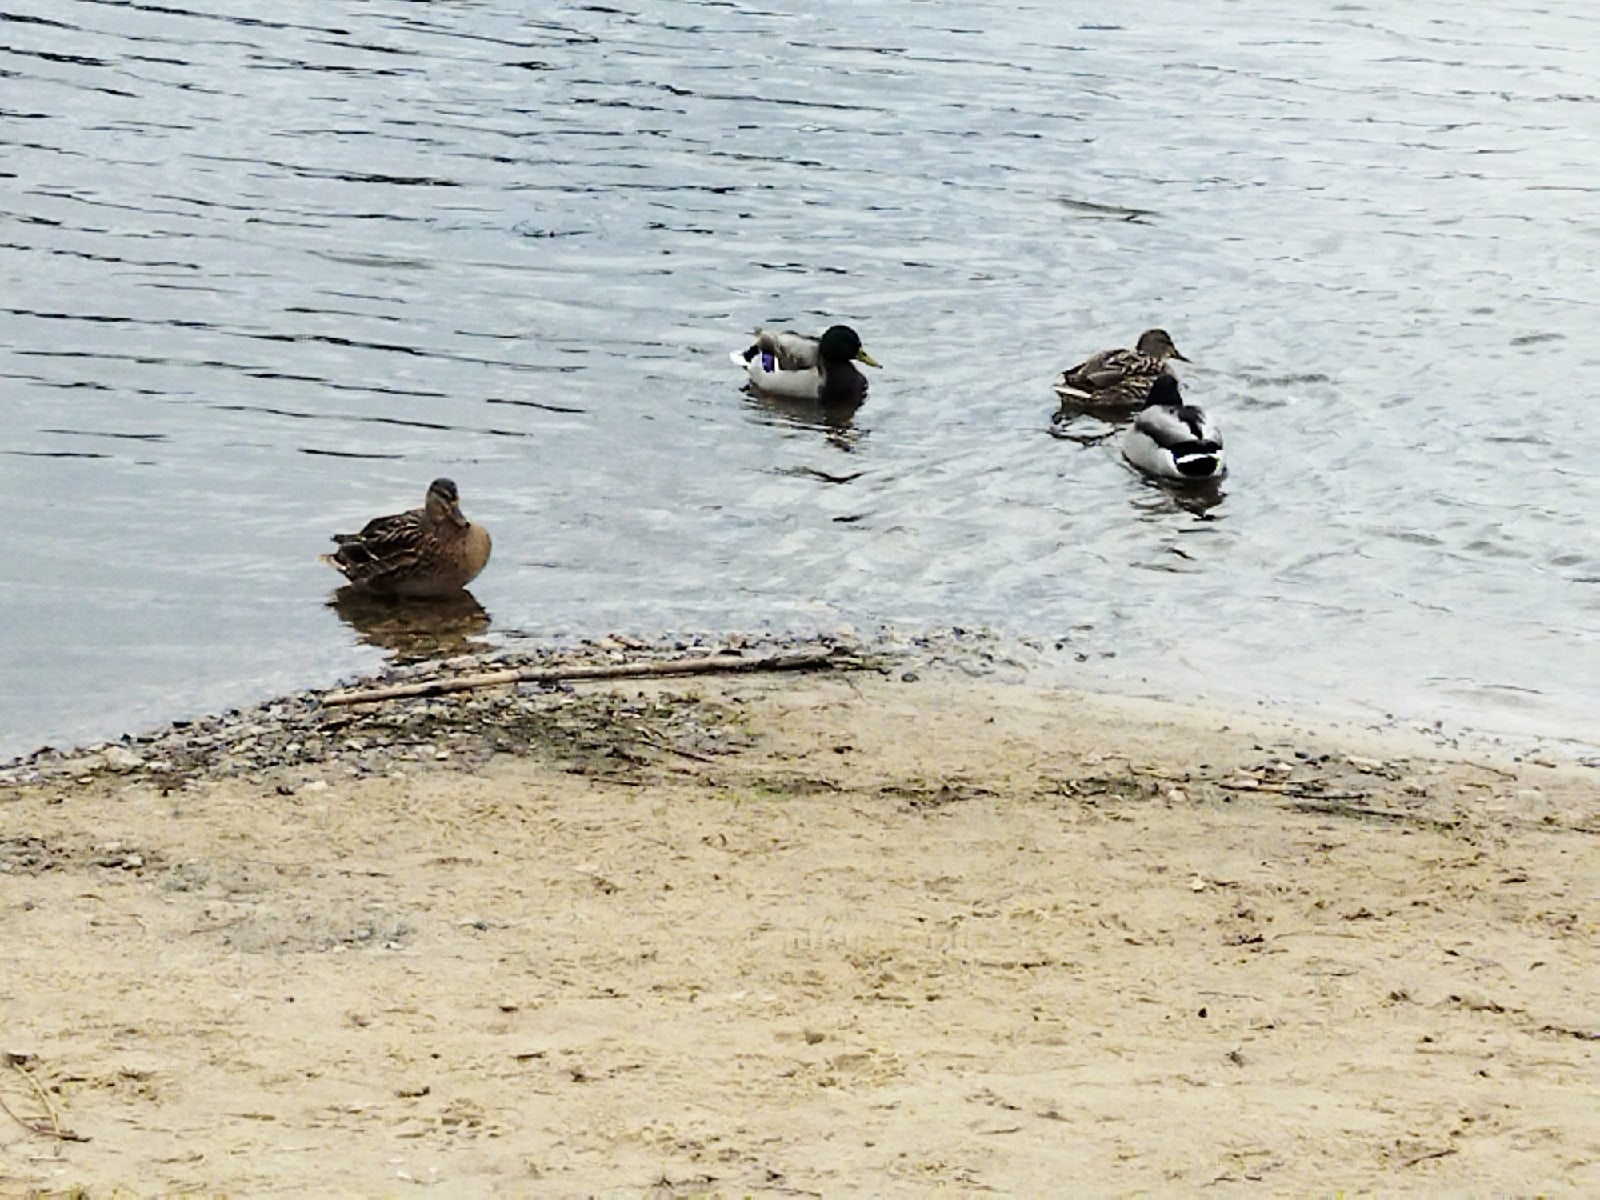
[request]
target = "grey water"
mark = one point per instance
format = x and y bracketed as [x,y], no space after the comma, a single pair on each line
[267,269]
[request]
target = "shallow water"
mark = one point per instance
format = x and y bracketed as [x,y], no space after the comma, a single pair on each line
[267,275]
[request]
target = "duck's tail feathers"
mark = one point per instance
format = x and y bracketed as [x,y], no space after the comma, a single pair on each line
[1197,460]
[1069,393]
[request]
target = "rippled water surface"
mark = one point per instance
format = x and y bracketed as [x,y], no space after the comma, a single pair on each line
[270,268]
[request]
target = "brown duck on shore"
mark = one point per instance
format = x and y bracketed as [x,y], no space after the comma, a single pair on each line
[1118,378]
[429,551]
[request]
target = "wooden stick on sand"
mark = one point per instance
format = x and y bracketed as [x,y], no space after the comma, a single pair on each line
[805,660]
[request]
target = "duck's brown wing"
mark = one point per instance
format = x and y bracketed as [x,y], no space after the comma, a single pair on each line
[1107,369]
[385,547]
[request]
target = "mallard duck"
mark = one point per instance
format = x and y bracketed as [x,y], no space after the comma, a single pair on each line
[1118,378]
[429,551]
[798,367]
[1173,440]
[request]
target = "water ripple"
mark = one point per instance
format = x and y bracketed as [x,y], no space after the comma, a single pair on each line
[289,262]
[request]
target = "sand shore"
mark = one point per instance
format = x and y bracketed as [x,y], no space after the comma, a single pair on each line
[874,933]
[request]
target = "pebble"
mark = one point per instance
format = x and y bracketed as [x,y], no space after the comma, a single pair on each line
[120,758]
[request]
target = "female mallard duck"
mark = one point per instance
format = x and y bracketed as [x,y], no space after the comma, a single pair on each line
[798,367]
[1173,440]
[429,551]
[1118,378]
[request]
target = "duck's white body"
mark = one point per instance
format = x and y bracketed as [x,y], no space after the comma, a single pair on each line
[767,375]
[1173,440]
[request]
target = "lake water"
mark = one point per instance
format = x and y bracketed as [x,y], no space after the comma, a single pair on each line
[270,268]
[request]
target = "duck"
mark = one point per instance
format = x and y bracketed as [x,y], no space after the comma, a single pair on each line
[1173,440]
[1118,378]
[429,551]
[798,367]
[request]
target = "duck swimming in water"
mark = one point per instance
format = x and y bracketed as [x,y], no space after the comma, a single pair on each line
[1173,440]
[798,367]
[429,551]
[1118,378]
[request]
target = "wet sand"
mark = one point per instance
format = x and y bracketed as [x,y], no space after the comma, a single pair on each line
[866,933]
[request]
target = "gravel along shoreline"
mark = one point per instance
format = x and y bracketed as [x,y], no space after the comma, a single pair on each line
[311,729]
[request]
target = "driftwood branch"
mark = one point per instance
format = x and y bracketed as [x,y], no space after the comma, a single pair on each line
[53,1129]
[806,660]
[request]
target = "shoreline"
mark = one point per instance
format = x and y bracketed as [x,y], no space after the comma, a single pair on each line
[978,653]
[883,930]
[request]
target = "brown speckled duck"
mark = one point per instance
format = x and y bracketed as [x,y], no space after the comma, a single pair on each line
[430,551]
[1118,378]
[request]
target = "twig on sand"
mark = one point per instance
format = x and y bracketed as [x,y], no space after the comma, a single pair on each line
[1426,1155]
[53,1129]
[806,660]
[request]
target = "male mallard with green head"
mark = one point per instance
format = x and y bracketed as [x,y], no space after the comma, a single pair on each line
[1173,440]
[798,367]
[429,551]
[1118,378]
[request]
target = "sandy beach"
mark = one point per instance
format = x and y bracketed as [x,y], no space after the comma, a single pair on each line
[880,932]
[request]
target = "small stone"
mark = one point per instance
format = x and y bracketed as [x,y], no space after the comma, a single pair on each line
[120,758]
[316,785]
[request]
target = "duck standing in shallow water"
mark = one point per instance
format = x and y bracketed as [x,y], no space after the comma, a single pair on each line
[429,551]
[798,367]
[1118,378]
[1173,440]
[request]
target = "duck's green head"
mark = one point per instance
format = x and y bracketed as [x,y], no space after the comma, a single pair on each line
[1157,344]
[841,344]
[1164,392]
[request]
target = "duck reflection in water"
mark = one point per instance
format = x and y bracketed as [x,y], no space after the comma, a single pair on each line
[1160,497]
[835,420]
[411,630]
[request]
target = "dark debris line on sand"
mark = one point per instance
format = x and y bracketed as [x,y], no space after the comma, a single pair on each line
[599,729]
